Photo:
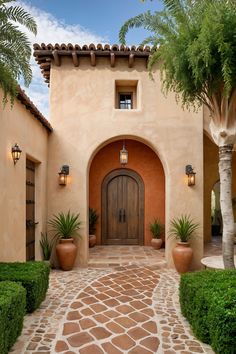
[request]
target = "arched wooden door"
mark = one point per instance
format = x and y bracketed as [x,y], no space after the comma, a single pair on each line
[122,208]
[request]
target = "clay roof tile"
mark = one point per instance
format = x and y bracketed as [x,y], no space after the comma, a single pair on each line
[25,100]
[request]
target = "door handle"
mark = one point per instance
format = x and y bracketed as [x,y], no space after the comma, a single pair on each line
[120,215]
[124,215]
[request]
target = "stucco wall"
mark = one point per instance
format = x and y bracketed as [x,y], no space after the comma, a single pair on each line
[84,119]
[19,126]
[211,176]
[147,164]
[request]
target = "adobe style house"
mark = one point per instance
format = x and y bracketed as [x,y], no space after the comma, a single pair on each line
[101,101]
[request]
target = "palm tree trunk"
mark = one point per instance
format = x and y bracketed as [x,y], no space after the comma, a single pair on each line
[225,170]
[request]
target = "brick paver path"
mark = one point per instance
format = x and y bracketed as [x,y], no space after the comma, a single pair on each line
[131,309]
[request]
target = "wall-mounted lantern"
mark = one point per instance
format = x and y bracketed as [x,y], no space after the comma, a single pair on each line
[191,175]
[63,175]
[123,155]
[16,152]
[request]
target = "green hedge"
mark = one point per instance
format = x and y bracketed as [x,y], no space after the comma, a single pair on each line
[12,311]
[34,276]
[208,301]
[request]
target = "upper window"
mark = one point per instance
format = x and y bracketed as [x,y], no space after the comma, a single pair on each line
[125,100]
[126,94]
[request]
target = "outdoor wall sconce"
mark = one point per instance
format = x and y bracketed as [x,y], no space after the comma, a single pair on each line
[123,155]
[15,152]
[63,175]
[191,175]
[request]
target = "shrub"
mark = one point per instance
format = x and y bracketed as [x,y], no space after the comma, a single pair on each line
[208,301]
[34,276]
[12,311]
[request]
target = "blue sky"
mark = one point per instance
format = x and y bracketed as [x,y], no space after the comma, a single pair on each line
[79,22]
[102,17]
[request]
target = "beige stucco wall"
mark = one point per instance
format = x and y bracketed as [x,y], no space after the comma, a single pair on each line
[19,126]
[84,119]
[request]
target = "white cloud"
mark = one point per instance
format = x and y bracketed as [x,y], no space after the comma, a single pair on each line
[51,30]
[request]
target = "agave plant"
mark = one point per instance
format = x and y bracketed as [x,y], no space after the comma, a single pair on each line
[66,225]
[183,228]
[156,228]
[46,246]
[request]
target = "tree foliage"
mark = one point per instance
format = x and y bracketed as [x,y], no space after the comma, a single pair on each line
[195,43]
[15,49]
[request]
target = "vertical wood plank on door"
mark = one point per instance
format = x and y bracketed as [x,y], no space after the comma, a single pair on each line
[122,208]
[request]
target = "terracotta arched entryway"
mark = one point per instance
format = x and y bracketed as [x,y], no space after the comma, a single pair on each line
[122,208]
[145,163]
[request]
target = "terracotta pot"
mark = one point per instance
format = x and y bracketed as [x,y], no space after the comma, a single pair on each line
[182,256]
[92,240]
[156,243]
[66,253]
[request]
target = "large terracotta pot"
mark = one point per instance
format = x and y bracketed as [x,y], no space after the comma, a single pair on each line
[156,243]
[182,256]
[92,240]
[66,253]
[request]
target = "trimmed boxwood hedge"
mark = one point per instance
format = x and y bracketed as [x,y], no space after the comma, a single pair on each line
[208,301]
[12,311]
[34,277]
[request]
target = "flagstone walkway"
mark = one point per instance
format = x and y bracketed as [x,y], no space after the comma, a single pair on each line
[127,309]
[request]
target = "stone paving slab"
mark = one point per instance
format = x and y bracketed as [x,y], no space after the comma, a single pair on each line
[113,256]
[131,309]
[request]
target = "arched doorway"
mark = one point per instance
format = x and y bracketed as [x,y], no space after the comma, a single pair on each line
[146,164]
[216,217]
[122,208]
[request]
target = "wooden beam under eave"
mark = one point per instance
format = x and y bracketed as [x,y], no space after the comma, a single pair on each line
[93,58]
[56,57]
[44,65]
[75,59]
[113,60]
[131,60]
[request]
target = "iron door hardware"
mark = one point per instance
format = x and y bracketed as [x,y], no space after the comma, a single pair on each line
[30,223]
[122,215]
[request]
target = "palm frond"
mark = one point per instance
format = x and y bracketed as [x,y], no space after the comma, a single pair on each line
[15,48]
[18,14]
[142,20]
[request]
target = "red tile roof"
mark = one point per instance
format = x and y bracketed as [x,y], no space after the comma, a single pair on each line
[45,54]
[25,100]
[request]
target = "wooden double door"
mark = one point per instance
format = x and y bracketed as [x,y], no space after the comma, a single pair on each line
[122,208]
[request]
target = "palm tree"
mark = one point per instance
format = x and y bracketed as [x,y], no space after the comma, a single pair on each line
[194,43]
[15,49]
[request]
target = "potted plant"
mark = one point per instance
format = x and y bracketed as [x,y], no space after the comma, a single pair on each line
[66,227]
[93,219]
[46,247]
[156,229]
[183,229]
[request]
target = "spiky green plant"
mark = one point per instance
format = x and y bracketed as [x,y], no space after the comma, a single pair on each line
[46,246]
[65,225]
[156,228]
[183,228]
[15,48]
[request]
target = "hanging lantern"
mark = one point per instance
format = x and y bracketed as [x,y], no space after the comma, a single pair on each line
[123,155]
